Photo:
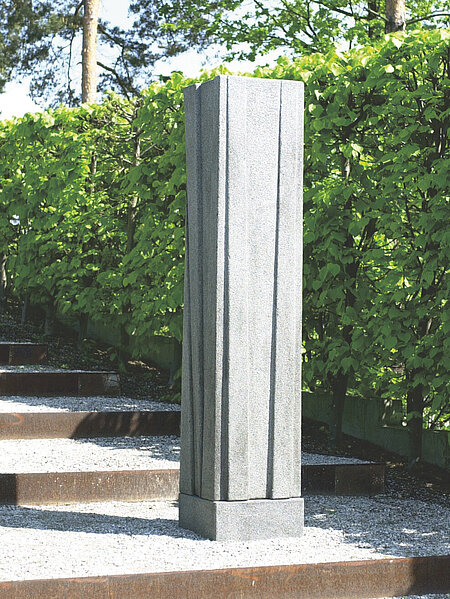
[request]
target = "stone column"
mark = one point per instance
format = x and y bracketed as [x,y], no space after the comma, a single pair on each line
[241,389]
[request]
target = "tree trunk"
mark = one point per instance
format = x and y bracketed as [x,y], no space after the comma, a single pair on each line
[372,9]
[24,316]
[3,282]
[395,16]
[339,386]
[50,320]
[90,24]
[83,320]
[414,407]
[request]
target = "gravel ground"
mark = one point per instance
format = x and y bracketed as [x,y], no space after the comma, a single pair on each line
[82,404]
[87,455]
[411,519]
[118,453]
[120,538]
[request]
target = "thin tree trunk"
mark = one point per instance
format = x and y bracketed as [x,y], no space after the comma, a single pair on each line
[24,310]
[339,385]
[414,407]
[50,320]
[395,16]
[3,282]
[83,320]
[372,8]
[90,25]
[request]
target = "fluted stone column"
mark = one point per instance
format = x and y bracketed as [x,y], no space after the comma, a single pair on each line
[241,390]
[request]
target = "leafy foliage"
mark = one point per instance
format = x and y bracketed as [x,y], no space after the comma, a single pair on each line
[250,28]
[376,243]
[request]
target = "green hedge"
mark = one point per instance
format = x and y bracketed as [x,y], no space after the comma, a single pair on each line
[376,241]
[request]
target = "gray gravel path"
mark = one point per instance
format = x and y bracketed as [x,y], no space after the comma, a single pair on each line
[72,455]
[118,453]
[80,404]
[120,538]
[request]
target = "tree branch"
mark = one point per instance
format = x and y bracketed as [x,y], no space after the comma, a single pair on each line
[335,9]
[426,17]
[117,76]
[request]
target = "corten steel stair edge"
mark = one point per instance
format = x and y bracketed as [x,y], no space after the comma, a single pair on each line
[53,488]
[56,383]
[337,580]
[75,425]
[23,353]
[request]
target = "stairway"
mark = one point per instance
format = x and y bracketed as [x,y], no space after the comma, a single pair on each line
[47,426]
[120,451]
[97,475]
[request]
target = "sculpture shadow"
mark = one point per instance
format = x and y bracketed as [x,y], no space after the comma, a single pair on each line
[89,522]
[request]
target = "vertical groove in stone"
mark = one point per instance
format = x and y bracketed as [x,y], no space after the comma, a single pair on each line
[273,356]
[224,437]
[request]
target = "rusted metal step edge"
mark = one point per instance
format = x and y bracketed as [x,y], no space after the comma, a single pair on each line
[335,580]
[78,425]
[23,353]
[59,383]
[53,488]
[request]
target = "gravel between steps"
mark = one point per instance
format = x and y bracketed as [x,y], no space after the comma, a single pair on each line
[121,538]
[79,404]
[119,453]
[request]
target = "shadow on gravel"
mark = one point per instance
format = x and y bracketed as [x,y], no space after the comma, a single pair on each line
[93,523]
[166,448]
[121,424]
[402,528]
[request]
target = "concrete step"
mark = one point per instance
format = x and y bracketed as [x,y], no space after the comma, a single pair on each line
[75,425]
[23,353]
[58,382]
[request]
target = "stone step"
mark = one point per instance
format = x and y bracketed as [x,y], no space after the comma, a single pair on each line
[23,353]
[336,580]
[55,488]
[76,425]
[58,382]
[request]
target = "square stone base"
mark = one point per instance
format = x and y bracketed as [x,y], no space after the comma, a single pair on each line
[242,520]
